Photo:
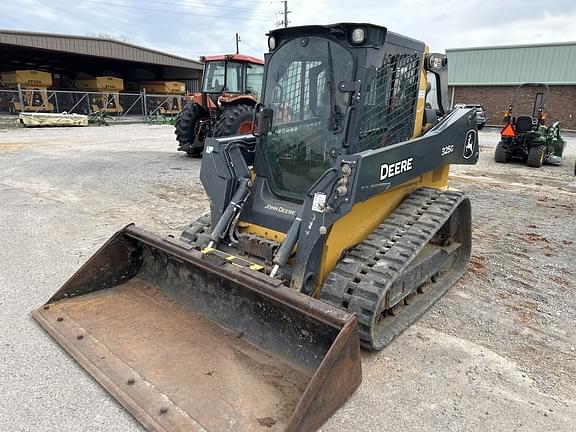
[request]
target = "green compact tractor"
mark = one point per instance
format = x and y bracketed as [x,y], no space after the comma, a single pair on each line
[528,138]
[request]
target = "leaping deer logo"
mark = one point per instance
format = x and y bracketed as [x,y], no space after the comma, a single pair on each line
[469,146]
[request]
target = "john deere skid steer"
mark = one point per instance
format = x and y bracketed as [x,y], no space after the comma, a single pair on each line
[331,227]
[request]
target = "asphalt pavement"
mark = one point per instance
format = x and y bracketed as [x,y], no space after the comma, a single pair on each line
[63,192]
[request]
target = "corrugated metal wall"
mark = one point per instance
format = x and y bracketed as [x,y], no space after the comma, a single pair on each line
[551,64]
[95,47]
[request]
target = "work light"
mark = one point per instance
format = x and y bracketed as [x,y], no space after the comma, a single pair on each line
[358,36]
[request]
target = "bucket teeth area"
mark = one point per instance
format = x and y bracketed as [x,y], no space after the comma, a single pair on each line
[134,332]
[186,345]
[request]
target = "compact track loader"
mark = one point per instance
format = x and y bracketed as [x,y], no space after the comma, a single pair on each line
[330,227]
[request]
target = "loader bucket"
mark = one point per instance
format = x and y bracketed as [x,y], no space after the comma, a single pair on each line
[188,344]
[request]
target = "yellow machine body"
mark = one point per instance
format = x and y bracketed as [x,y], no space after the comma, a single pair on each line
[34,85]
[108,86]
[163,87]
[32,79]
[164,97]
[101,83]
[366,216]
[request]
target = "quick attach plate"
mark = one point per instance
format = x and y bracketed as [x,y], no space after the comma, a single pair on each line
[221,258]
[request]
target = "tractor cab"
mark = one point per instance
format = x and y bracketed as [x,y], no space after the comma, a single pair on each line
[307,112]
[231,87]
[232,74]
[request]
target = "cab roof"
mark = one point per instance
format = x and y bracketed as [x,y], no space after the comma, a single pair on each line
[236,57]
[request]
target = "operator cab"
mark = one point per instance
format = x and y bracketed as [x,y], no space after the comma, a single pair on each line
[328,91]
[306,128]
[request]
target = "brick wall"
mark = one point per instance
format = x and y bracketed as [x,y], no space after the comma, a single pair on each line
[560,106]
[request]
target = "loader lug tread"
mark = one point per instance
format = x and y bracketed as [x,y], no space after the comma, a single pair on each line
[197,234]
[384,264]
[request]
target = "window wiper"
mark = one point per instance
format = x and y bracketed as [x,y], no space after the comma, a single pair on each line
[335,120]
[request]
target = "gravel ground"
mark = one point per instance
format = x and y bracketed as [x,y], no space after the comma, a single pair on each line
[496,353]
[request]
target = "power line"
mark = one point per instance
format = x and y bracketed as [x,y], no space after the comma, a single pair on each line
[190,51]
[205,6]
[249,46]
[201,3]
[171,12]
[259,1]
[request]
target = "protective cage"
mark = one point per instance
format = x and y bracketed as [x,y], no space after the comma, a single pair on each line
[188,344]
[390,102]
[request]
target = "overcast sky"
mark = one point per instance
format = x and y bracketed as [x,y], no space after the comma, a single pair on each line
[190,28]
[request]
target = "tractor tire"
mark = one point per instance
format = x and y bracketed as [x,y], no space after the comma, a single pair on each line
[536,156]
[501,154]
[185,129]
[234,120]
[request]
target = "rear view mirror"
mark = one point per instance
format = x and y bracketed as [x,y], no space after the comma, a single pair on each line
[265,120]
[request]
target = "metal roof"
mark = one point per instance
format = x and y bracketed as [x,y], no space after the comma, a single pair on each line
[96,47]
[551,63]
[237,57]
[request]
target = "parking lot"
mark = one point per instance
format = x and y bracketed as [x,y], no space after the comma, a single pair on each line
[498,352]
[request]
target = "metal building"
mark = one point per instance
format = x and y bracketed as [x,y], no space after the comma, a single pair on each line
[67,56]
[488,75]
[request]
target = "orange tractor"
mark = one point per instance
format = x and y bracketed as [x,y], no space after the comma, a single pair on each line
[231,86]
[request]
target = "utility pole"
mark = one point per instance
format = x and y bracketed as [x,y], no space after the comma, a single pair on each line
[285,21]
[237,41]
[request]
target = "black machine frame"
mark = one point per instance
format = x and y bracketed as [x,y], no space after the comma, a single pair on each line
[353,177]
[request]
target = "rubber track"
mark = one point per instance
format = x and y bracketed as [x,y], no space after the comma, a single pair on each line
[360,282]
[198,232]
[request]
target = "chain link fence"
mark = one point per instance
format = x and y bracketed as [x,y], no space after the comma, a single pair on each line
[156,108]
[8,100]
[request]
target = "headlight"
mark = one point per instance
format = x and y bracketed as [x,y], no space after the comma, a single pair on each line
[437,62]
[272,43]
[434,62]
[358,36]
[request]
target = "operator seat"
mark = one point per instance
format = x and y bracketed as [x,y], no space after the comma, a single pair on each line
[524,124]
